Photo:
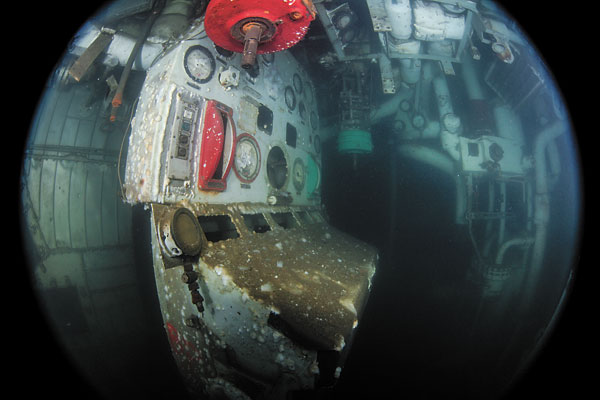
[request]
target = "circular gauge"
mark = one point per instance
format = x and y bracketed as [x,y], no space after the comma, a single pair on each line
[297,81]
[298,174]
[317,144]
[186,232]
[314,122]
[247,158]
[290,97]
[302,110]
[199,64]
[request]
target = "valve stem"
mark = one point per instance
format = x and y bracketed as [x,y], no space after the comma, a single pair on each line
[252,33]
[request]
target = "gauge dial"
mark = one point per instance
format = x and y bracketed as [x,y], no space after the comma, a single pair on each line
[290,97]
[302,110]
[297,81]
[247,158]
[299,174]
[314,122]
[199,64]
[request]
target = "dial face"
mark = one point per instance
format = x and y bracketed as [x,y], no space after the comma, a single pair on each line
[298,174]
[297,83]
[313,120]
[247,158]
[199,64]
[290,97]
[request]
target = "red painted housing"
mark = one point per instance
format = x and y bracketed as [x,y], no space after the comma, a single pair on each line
[216,146]
[288,18]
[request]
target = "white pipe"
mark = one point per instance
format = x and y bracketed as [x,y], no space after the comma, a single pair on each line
[444,163]
[119,49]
[432,23]
[471,79]
[510,243]
[442,95]
[542,205]
[389,107]
[399,14]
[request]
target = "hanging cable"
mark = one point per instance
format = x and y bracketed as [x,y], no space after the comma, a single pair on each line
[118,98]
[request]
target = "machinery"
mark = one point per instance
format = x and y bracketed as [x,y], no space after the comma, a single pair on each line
[225,108]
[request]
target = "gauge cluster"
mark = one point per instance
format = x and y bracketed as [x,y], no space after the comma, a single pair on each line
[272,105]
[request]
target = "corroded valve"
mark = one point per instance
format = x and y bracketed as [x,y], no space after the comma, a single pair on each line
[253,32]
[255,27]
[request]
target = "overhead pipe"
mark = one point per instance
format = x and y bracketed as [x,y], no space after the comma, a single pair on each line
[511,243]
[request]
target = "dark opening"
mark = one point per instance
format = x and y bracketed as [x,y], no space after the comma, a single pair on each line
[304,217]
[285,220]
[290,135]
[473,149]
[276,167]
[256,223]
[264,122]
[218,227]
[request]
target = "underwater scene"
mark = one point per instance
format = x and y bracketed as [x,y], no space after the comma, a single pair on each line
[296,199]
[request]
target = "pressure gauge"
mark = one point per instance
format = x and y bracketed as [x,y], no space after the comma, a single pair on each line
[199,64]
[247,158]
[313,121]
[290,97]
[297,81]
[298,174]
[302,110]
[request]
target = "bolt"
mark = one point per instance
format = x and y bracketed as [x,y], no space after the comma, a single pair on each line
[296,15]
[189,277]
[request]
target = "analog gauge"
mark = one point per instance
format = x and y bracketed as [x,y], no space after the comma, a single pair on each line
[313,120]
[302,110]
[297,81]
[317,144]
[247,158]
[199,64]
[290,97]
[298,174]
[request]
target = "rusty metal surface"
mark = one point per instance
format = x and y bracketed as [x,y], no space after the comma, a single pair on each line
[315,277]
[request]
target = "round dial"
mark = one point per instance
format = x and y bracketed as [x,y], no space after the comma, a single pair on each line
[313,120]
[290,97]
[297,83]
[247,158]
[298,174]
[199,64]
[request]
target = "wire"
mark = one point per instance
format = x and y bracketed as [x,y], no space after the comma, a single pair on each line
[121,149]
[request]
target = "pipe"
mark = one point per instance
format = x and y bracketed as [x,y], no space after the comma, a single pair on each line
[389,107]
[444,163]
[510,243]
[399,14]
[471,80]
[542,206]
[119,50]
